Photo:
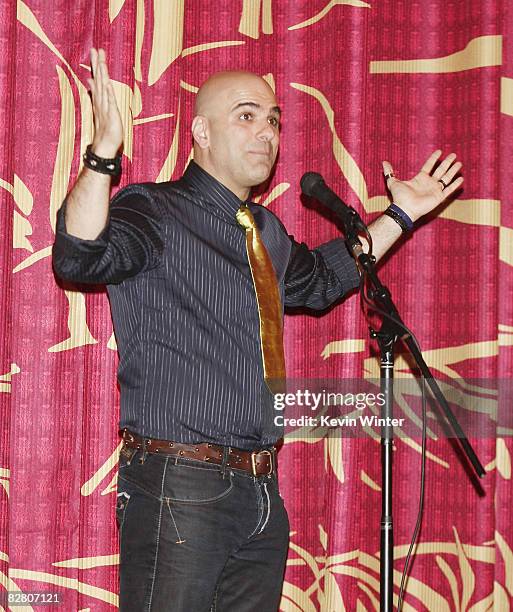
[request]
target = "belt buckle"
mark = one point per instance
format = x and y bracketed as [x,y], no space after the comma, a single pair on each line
[254,465]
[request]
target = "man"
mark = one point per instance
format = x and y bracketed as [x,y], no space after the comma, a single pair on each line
[202,524]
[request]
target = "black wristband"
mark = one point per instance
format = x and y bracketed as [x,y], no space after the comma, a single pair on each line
[406,228]
[103,165]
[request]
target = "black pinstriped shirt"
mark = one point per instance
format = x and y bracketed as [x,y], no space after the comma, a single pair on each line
[184,307]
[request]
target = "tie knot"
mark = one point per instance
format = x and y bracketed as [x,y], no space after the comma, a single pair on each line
[245,218]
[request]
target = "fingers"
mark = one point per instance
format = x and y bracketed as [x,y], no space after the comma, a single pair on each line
[105,81]
[431,161]
[452,172]
[101,88]
[108,125]
[444,166]
[445,174]
[95,81]
[451,188]
[94,61]
[389,173]
[110,94]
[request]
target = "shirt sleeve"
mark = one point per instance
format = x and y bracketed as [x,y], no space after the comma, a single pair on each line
[317,278]
[130,243]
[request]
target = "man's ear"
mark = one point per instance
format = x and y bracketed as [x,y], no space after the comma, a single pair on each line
[200,131]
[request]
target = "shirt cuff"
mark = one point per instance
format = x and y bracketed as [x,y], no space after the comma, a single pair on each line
[338,259]
[70,243]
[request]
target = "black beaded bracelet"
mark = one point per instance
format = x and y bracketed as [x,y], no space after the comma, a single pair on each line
[104,165]
[400,217]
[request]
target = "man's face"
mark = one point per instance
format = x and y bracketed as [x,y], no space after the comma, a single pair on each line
[242,131]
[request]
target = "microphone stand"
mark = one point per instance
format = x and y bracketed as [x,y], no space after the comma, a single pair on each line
[387,337]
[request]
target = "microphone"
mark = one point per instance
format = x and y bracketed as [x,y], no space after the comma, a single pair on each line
[313,185]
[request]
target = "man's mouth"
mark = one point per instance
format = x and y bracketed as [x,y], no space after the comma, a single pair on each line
[261,153]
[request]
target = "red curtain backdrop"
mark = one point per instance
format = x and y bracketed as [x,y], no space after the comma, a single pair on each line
[359,82]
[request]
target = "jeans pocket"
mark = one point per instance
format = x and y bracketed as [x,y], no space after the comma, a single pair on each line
[196,484]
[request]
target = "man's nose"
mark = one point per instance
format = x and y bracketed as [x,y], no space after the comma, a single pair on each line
[266,131]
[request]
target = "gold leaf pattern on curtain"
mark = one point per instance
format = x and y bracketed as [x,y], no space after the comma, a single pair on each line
[480,52]
[503,459]
[88,562]
[111,344]
[333,454]
[372,597]
[21,230]
[212,45]
[115,7]
[139,39]
[130,105]
[269,79]
[506,245]
[249,24]
[142,120]
[24,201]
[507,96]
[507,555]
[349,345]
[32,259]
[22,196]
[505,337]
[451,579]
[188,87]
[498,599]
[346,163]
[79,332]
[64,156]
[5,379]
[430,456]
[112,486]
[168,16]
[321,14]
[166,172]
[71,583]
[467,575]
[295,599]
[369,481]
[5,474]
[274,194]
[90,486]
[473,212]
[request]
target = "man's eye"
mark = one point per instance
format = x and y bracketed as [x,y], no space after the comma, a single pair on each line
[274,121]
[246,116]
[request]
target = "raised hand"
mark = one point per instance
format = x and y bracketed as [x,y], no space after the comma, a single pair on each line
[108,128]
[426,190]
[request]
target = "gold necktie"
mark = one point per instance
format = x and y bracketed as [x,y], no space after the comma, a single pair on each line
[269,302]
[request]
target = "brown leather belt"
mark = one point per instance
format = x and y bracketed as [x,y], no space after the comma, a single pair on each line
[257,463]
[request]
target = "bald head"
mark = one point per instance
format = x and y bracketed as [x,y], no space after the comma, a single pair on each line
[221,86]
[236,129]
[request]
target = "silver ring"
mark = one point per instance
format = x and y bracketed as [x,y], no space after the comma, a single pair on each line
[443,184]
[389,175]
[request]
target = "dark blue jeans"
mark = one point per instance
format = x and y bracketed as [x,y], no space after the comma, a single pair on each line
[195,537]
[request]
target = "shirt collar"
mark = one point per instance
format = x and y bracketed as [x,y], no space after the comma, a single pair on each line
[212,192]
